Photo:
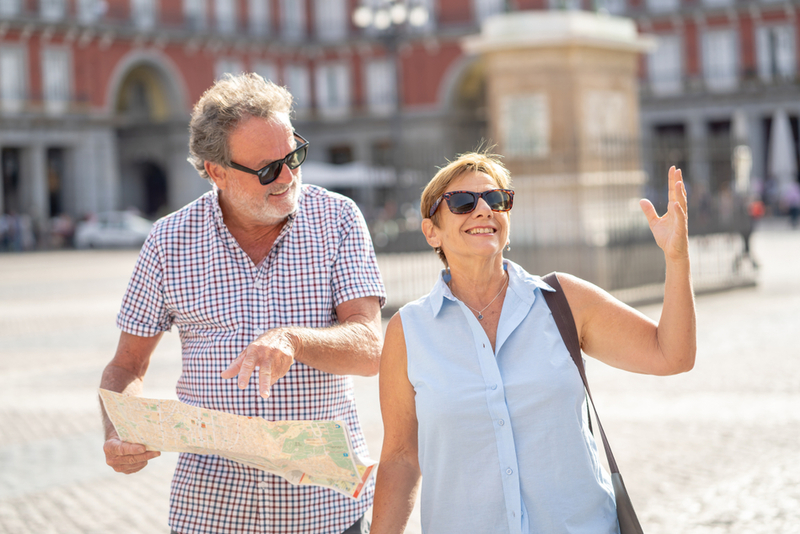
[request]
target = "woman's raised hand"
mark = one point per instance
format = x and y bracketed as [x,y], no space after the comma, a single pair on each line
[672,230]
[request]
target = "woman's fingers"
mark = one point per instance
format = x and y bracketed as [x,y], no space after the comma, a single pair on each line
[649,211]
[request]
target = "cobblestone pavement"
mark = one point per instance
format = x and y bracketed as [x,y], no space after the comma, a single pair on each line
[711,451]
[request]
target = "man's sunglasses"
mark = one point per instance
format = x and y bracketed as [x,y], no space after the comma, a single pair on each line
[461,202]
[270,172]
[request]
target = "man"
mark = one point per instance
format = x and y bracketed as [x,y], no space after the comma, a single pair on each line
[260,273]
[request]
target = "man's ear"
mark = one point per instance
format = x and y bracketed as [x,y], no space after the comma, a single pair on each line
[431,233]
[217,173]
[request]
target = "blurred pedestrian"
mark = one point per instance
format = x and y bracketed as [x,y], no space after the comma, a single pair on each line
[263,273]
[790,201]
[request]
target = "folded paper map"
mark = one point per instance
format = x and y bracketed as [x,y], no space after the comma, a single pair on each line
[317,453]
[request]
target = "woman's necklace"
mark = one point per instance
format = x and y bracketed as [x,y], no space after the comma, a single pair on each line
[480,313]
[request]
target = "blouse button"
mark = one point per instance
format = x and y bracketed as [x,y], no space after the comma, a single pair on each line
[509,471]
[494,386]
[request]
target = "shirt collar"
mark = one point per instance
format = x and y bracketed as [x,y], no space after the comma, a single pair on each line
[520,282]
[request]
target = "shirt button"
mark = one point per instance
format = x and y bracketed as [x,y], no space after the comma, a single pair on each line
[509,471]
[259,331]
[501,422]
[494,386]
[264,485]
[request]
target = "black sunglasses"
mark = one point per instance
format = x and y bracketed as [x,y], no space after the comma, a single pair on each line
[461,202]
[270,172]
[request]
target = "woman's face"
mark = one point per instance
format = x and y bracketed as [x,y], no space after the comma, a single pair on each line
[480,233]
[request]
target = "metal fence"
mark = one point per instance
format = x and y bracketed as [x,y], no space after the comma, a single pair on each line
[577,211]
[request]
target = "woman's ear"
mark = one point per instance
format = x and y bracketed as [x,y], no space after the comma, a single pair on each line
[431,233]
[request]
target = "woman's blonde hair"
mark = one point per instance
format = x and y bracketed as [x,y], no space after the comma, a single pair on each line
[484,162]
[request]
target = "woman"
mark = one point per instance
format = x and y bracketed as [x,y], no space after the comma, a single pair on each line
[479,394]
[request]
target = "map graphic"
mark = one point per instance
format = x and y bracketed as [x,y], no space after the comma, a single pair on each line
[317,453]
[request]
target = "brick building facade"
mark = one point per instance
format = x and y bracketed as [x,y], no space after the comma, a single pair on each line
[95,94]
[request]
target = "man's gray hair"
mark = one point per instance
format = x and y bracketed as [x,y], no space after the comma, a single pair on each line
[222,107]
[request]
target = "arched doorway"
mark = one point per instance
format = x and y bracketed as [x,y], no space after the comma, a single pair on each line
[149,110]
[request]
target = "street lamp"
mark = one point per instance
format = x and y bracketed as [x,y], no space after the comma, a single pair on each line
[388,20]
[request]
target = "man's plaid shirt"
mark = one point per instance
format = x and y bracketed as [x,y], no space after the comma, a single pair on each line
[192,273]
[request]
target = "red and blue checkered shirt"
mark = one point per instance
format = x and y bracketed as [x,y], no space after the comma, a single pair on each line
[192,273]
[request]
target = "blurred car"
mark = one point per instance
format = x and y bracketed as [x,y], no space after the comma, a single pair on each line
[112,229]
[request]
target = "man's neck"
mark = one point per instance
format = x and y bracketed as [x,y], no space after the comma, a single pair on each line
[254,237]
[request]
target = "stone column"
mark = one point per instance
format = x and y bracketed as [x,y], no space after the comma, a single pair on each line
[564,111]
[34,189]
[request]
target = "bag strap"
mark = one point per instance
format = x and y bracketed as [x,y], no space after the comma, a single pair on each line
[557,302]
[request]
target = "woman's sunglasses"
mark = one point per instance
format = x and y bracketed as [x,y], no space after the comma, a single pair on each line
[461,202]
[270,172]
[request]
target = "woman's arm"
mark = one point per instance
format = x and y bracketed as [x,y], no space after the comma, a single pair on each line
[398,472]
[620,336]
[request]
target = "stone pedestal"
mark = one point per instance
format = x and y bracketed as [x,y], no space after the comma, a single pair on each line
[564,111]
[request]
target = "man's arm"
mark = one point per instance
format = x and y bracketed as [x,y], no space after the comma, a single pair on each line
[125,374]
[352,347]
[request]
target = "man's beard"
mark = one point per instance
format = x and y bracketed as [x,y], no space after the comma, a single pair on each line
[265,210]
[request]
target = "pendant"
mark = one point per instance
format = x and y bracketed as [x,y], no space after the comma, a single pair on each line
[480,316]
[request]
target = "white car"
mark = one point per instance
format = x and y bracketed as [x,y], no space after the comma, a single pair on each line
[112,229]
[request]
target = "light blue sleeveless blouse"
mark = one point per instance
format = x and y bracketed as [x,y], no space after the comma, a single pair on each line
[504,444]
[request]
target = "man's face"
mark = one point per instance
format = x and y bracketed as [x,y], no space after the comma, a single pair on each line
[255,143]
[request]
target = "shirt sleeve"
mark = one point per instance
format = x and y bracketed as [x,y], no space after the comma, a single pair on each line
[355,271]
[143,312]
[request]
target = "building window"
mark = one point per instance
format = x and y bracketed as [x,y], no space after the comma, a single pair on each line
[13,76]
[330,17]
[10,8]
[333,89]
[720,62]
[51,9]
[225,14]
[299,83]
[194,12]
[380,76]
[525,125]
[144,13]
[663,6]
[566,4]
[340,154]
[293,20]
[56,79]
[258,16]
[266,70]
[487,8]
[775,50]
[665,66]
[227,66]
[430,22]
[612,7]
[90,10]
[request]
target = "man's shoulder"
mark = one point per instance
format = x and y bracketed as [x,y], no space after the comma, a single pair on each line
[192,218]
[186,224]
[318,197]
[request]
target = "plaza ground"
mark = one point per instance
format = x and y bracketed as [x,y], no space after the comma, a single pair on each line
[711,451]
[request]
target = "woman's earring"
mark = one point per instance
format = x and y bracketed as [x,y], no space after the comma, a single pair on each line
[508,246]
[446,276]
